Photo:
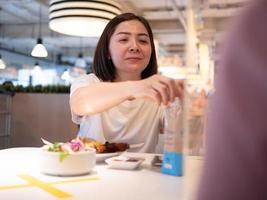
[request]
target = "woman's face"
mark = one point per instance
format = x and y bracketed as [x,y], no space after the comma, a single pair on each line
[130,49]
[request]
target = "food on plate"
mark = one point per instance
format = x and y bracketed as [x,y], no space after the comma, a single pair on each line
[114,147]
[83,144]
[107,147]
[98,146]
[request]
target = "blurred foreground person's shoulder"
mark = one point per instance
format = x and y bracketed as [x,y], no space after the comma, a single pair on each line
[235,165]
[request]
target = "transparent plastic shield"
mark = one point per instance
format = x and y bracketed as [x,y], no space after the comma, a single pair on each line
[173,127]
[196,121]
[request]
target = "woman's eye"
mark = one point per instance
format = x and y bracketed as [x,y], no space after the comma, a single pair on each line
[143,41]
[123,40]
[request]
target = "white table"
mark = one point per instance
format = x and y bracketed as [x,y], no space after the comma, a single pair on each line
[20,179]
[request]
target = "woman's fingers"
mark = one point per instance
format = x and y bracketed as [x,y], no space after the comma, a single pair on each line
[175,87]
[163,91]
[144,89]
[167,88]
[180,88]
[170,83]
[160,89]
[153,95]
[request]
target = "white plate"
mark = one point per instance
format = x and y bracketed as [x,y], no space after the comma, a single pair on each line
[100,157]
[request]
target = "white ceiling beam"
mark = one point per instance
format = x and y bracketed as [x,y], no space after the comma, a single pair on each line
[179,15]
[220,13]
[160,15]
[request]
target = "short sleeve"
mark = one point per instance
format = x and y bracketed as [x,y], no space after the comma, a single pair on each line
[82,81]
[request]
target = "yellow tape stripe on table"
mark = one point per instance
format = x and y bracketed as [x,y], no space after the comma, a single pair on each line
[48,187]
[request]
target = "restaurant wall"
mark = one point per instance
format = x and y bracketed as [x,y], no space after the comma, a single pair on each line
[44,115]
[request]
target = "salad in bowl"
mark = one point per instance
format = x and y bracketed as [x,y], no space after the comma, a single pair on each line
[66,159]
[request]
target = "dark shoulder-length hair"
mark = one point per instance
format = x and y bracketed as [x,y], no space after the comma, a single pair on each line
[103,67]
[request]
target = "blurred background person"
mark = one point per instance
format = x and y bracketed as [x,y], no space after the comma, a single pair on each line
[235,165]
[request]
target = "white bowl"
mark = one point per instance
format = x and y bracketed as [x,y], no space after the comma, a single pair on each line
[78,163]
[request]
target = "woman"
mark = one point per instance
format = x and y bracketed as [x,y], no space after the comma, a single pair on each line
[112,104]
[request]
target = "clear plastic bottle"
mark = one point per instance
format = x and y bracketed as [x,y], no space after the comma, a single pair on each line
[173,140]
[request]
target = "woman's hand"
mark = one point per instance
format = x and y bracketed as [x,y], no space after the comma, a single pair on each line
[160,89]
[99,97]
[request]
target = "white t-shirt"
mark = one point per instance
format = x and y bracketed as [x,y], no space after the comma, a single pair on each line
[134,122]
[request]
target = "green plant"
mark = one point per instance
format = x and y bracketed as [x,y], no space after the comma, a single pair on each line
[8,87]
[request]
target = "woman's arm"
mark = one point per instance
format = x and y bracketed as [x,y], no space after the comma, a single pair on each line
[98,97]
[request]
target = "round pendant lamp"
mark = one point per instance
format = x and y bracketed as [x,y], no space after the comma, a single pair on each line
[84,18]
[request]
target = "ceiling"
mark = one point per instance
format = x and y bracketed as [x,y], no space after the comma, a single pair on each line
[19,25]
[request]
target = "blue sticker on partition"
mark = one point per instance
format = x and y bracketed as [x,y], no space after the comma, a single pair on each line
[172,163]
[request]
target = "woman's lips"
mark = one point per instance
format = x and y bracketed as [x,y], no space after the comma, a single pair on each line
[139,58]
[133,59]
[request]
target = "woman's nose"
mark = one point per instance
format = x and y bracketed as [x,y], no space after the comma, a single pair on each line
[134,47]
